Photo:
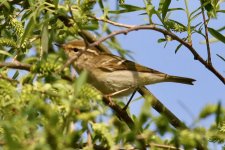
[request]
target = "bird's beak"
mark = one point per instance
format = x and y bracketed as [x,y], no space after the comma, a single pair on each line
[59,45]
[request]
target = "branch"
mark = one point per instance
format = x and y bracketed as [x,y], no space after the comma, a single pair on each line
[157,105]
[15,65]
[165,32]
[27,67]
[113,23]
[206,37]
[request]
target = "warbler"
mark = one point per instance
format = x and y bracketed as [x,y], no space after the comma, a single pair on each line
[113,75]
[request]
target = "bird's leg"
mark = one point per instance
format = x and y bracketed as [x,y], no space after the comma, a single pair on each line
[125,107]
[116,93]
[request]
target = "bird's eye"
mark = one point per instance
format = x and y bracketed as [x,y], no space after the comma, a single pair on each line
[75,49]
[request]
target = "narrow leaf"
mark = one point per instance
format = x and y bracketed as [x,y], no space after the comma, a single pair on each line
[131,7]
[218,113]
[44,38]
[127,8]
[217,35]
[15,75]
[161,40]
[178,47]
[221,57]
[28,29]
[5,53]
[80,81]
[165,7]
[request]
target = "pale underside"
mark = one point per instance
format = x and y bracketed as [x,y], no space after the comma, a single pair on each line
[122,80]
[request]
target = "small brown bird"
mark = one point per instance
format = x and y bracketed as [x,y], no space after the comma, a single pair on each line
[113,75]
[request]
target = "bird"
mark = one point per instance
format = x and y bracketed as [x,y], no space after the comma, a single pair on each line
[113,75]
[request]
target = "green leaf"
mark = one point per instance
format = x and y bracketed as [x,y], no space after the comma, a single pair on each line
[80,81]
[178,47]
[127,8]
[7,5]
[150,9]
[221,57]
[56,3]
[44,38]
[15,75]
[131,7]
[161,5]
[218,113]
[93,25]
[165,7]
[208,5]
[207,111]
[217,35]
[28,29]
[161,40]
[5,53]
[121,1]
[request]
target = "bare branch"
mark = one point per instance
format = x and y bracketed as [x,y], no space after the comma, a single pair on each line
[206,37]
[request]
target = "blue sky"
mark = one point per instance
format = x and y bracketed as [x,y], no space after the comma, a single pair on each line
[208,89]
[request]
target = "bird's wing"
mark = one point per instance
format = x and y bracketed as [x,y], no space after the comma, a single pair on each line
[113,63]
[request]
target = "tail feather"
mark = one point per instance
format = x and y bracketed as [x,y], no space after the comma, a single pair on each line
[182,80]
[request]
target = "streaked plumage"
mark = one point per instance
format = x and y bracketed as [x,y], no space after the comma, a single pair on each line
[110,73]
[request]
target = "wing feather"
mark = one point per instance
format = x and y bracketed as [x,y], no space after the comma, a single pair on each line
[113,63]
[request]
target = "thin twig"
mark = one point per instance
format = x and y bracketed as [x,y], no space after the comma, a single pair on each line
[112,22]
[162,146]
[206,37]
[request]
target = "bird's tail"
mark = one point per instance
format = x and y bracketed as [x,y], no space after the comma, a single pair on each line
[182,80]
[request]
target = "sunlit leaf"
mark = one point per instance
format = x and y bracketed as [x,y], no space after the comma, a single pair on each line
[44,38]
[80,81]
[127,8]
[5,3]
[165,7]
[56,3]
[131,7]
[217,35]
[5,53]
[28,30]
